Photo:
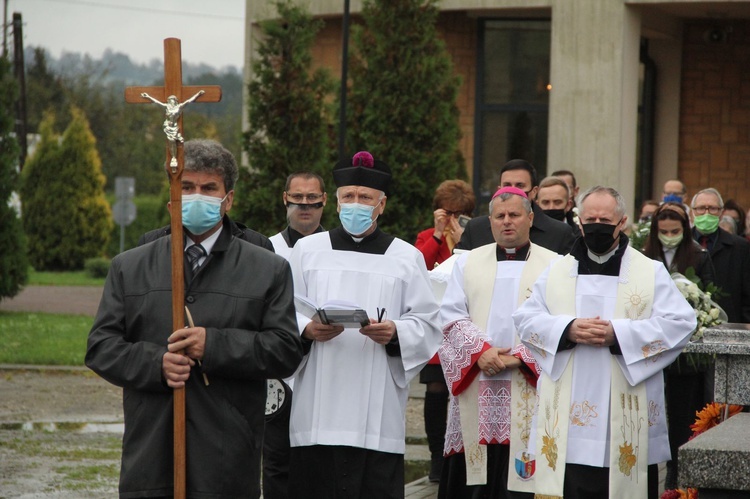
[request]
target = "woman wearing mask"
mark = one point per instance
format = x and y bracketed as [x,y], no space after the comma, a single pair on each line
[687,385]
[671,242]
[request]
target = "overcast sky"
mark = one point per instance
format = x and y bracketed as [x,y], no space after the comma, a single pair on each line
[211,32]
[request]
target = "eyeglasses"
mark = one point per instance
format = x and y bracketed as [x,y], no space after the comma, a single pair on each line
[298,198]
[700,210]
[455,213]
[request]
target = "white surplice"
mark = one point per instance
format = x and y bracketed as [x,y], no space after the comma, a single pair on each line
[464,343]
[280,246]
[669,327]
[348,391]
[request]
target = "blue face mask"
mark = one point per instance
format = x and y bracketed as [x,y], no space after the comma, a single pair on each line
[201,213]
[356,218]
[672,198]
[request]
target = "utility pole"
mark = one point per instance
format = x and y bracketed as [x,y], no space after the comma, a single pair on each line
[5,28]
[344,77]
[20,73]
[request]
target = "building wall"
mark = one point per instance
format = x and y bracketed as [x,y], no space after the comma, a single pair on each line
[594,97]
[460,35]
[703,92]
[714,144]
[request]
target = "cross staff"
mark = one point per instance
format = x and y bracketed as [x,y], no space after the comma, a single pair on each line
[170,96]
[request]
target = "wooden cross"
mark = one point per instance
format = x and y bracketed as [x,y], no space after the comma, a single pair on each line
[170,96]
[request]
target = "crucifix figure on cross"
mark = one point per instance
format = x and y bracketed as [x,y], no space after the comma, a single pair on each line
[169,96]
[171,127]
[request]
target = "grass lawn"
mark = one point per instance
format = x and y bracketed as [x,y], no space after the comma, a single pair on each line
[67,278]
[36,338]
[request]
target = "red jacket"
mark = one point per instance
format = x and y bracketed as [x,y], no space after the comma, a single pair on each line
[434,252]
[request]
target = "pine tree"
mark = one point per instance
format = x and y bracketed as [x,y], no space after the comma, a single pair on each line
[288,118]
[13,262]
[402,106]
[66,216]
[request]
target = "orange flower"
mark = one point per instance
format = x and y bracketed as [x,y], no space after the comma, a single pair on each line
[710,416]
[680,494]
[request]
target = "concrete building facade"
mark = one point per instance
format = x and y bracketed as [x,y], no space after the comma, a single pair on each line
[626,94]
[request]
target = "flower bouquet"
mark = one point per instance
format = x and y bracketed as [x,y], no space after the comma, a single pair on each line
[639,234]
[707,312]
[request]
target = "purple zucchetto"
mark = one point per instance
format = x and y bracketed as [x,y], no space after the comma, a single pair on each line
[510,190]
[362,169]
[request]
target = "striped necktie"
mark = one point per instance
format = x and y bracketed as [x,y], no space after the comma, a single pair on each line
[194,254]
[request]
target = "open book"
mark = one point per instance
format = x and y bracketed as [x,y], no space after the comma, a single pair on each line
[347,314]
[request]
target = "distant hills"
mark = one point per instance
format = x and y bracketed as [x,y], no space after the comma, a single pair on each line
[116,70]
[116,67]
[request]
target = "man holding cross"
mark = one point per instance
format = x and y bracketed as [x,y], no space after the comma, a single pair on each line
[240,298]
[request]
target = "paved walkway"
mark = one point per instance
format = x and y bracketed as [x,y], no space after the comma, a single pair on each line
[82,300]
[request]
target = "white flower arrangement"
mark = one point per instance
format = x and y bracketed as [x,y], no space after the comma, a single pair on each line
[707,312]
[639,234]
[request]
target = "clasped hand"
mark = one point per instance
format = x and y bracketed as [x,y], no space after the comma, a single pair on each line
[595,332]
[495,359]
[185,346]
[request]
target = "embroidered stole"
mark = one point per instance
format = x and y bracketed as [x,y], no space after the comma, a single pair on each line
[628,451]
[479,277]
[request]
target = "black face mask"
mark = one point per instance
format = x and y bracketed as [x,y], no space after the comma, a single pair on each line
[599,237]
[556,214]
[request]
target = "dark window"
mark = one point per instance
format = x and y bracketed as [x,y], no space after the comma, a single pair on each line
[512,99]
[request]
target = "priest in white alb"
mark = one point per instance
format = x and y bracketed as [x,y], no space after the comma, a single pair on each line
[347,428]
[603,323]
[491,375]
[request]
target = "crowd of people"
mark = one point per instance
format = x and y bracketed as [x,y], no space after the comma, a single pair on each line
[544,354]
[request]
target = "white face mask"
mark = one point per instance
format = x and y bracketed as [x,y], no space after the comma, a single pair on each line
[201,213]
[356,218]
[670,242]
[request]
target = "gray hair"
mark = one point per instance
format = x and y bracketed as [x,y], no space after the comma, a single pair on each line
[710,190]
[598,189]
[507,195]
[380,196]
[208,156]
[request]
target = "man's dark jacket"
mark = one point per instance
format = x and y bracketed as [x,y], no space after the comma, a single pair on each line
[545,231]
[243,295]
[237,230]
[731,258]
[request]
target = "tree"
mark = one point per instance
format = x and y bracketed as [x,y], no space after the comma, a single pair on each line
[44,90]
[402,106]
[65,214]
[13,262]
[288,115]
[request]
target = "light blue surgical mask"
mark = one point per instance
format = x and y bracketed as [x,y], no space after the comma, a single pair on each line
[356,218]
[200,213]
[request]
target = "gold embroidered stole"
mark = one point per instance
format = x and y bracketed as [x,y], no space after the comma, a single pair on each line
[628,456]
[479,277]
